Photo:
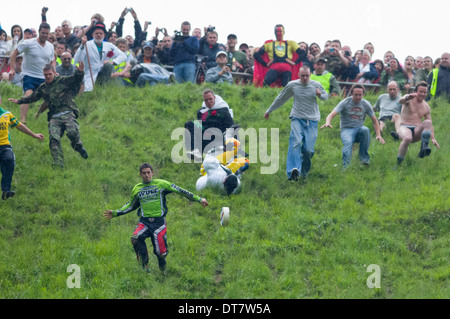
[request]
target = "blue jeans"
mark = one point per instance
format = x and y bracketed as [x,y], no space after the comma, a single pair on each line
[301,146]
[153,79]
[184,72]
[7,164]
[349,136]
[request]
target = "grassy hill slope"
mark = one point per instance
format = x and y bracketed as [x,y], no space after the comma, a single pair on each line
[309,239]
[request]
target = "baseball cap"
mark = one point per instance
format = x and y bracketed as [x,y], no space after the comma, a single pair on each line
[320,59]
[221,52]
[148,44]
[99,25]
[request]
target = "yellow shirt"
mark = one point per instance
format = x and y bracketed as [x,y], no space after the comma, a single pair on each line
[280,48]
[7,120]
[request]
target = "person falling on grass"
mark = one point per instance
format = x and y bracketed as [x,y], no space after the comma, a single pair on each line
[58,93]
[149,197]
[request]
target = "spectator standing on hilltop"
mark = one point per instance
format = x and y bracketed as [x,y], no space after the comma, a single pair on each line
[327,79]
[17,37]
[37,52]
[393,72]
[439,78]
[182,53]
[409,72]
[7,157]
[237,59]
[337,61]
[140,35]
[361,70]
[422,74]
[103,56]
[305,117]
[209,46]
[277,59]
[70,38]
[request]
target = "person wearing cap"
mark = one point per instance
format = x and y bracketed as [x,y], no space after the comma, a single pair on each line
[327,79]
[220,73]
[37,52]
[149,69]
[100,59]
[182,53]
[148,54]
[28,33]
[237,59]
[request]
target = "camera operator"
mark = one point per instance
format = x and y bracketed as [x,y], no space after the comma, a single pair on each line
[163,47]
[182,53]
[209,46]
[139,34]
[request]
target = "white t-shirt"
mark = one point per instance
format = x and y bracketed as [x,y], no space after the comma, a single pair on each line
[35,57]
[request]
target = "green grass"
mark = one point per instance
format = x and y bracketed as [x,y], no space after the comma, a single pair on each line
[312,239]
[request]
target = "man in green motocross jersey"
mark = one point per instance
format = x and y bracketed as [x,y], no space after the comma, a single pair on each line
[149,197]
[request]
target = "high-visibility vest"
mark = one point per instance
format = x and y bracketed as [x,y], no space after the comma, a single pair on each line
[120,67]
[323,79]
[433,86]
[59,62]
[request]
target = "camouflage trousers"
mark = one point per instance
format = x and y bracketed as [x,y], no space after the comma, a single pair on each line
[56,128]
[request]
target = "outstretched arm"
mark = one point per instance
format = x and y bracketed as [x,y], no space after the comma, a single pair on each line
[329,119]
[24,129]
[376,127]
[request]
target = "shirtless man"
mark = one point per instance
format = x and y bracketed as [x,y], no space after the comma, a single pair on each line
[411,128]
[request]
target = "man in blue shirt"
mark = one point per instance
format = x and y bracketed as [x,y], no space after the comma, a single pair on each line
[183,51]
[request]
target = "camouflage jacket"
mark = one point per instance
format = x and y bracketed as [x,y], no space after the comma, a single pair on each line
[58,94]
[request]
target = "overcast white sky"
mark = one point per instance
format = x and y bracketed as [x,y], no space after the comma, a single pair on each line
[414,27]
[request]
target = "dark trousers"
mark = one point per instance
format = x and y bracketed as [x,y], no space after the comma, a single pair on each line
[192,133]
[155,228]
[7,164]
[273,75]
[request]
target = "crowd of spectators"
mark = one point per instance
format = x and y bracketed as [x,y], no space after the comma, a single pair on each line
[189,56]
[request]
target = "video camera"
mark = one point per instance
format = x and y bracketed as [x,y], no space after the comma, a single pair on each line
[199,59]
[179,37]
[210,28]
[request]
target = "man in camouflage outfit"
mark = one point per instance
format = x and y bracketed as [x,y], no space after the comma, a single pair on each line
[58,93]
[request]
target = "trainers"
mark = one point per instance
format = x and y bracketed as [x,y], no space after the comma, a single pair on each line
[83,153]
[395,136]
[8,194]
[426,151]
[162,263]
[294,175]
[146,268]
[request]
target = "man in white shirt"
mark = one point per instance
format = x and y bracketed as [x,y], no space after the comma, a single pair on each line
[37,52]
[100,58]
